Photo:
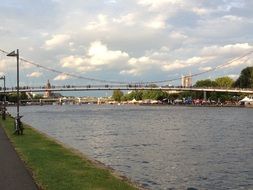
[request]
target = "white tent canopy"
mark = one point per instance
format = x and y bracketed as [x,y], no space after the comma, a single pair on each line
[246,99]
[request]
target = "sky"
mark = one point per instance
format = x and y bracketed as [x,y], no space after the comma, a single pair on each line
[124,40]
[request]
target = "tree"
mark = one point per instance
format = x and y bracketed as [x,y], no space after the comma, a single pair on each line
[1,97]
[38,96]
[173,96]
[136,94]
[205,83]
[12,97]
[23,96]
[146,94]
[245,79]
[154,94]
[117,94]
[225,82]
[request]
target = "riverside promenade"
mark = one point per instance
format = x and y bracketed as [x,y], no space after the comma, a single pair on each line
[13,173]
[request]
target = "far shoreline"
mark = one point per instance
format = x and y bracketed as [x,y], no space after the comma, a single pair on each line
[146,104]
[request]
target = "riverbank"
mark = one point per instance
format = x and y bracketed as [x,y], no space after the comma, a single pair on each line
[54,166]
[169,105]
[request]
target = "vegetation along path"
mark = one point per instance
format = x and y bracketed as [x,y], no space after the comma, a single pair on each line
[52,165]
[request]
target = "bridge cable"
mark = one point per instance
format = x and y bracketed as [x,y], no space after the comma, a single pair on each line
[124,82]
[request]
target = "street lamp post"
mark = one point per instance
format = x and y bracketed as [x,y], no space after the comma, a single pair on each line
[4,105]
[19,128]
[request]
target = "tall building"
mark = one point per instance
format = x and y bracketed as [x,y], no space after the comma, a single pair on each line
[48,92]
[186,81]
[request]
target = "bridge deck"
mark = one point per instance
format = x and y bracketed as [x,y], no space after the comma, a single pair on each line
[127,88]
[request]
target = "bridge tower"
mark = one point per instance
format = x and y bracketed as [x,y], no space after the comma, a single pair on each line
[186,81]
[48,92]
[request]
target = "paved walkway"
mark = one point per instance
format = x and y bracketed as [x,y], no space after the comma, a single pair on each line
[13,174]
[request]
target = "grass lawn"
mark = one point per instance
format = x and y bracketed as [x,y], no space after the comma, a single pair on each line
[56,167]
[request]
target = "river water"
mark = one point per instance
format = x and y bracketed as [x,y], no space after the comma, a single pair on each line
[160,147]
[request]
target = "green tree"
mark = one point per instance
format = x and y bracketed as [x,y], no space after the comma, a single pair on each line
[117,94]
[219,82]
[173,96]
[146,94]
[154,94]
[12,97]
[225,82]
[38,96]
[245,79]
[205,83]
[136,94]
[23,96]
[1,97]
[188,95]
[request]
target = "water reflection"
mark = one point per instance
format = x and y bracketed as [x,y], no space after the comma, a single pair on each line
[160,147]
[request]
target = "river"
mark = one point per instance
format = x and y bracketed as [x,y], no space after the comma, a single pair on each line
[160,147]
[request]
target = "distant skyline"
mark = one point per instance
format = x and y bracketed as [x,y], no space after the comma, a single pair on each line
[130,40]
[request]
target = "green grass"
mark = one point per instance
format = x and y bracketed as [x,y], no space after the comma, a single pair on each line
[56,167]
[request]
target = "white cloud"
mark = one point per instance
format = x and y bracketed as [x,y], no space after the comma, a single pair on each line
[201,11]
[161,61]
[100,24]
[77,63]
[31,49]
[56,41]
[71,44]
[128,19]
[228,5]
[156,5]
[178,35]
[205,68]
[34,74]
[233,18]
[7,65]
[140,38]
[138,66]
[133,72]
[44,34]
[71,61]
[143,62]
[173,66]
[25,65]
[100,55]
[246,61]
[234,76]
[229,49]
[158,22]
[197,60]
[226,26]
[62,77]
[111,1]
[97,57]
[179,64]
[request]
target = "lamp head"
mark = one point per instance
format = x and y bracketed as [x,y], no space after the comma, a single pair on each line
[12,54]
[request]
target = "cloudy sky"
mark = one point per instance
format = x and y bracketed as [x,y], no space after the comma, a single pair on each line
[125,40]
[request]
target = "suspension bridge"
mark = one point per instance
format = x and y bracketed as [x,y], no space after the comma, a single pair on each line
[107,85]
[73,88]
